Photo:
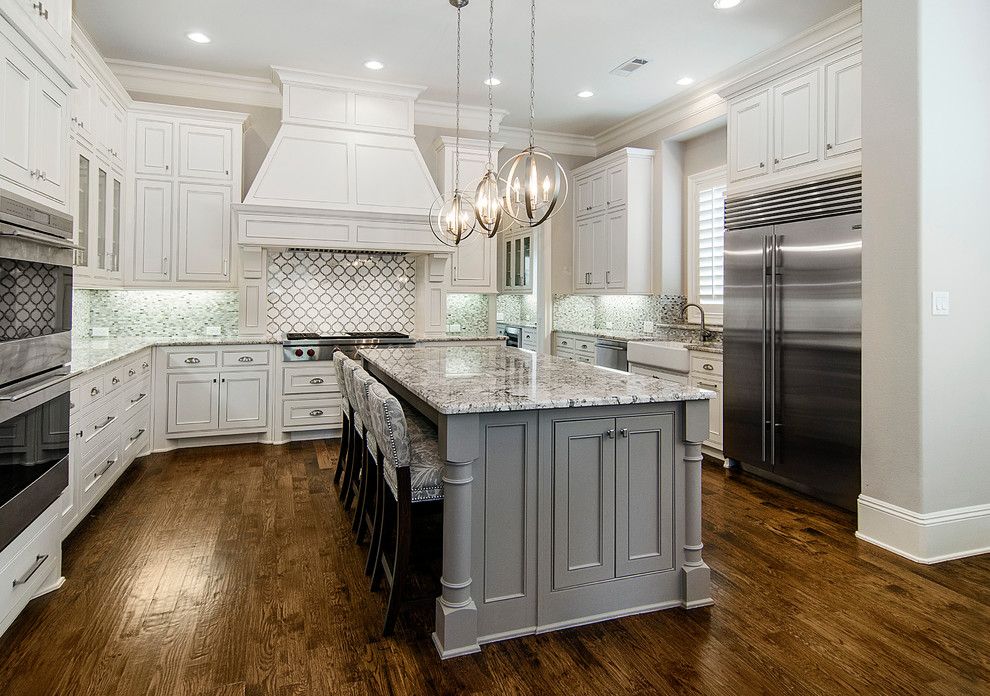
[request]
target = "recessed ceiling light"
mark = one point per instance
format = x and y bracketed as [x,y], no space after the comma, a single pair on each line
[585,94]
[685,81]
[374,65]
[726,4]
[493,82]
[198,37]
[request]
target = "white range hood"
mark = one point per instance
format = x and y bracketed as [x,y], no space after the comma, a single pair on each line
[344,171]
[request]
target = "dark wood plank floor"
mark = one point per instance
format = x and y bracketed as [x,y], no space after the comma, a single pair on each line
[231,571]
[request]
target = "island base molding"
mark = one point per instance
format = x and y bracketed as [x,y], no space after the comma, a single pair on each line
[927,538]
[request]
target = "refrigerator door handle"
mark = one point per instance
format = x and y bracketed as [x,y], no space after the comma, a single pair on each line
[763,352]
[775,242]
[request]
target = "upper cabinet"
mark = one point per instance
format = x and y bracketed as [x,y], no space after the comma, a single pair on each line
[186,171]
[46,25]
[474,263]
[613,227]
[34,123]
[798,125]
[515,264]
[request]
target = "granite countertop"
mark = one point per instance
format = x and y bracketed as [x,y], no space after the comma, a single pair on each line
[609,333]
[486,379]
[91,353]
[520,324]
[457,337]
[710,347]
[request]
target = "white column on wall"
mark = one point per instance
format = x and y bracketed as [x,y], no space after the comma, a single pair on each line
[926,171]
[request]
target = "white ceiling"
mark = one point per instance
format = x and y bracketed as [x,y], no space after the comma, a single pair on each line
[578,43]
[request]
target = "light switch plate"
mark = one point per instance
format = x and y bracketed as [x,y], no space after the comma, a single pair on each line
[212,330]
[99,332]
[940,303]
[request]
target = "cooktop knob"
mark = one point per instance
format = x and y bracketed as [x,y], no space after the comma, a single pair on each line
[311,352]
[299,352]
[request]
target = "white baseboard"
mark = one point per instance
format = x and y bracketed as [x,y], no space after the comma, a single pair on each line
[930,537]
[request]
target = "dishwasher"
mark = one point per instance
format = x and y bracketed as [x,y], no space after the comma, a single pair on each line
[611,353]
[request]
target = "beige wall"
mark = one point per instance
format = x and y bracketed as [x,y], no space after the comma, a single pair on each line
[700,154]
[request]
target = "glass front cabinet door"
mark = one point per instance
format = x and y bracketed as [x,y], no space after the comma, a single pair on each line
[516,257]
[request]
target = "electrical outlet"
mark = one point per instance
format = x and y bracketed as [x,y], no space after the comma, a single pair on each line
[940,303]
[648,326]
[499,316]
[453,328]
[99,332]
[212,330]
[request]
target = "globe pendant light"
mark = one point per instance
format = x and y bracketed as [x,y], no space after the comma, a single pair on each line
[487,208]
[452,217]
[533,183]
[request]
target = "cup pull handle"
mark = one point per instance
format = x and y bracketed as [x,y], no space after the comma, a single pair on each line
[316,412]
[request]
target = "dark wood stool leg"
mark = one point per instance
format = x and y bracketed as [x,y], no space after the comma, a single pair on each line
[377,525]
[403,541]
[345,441]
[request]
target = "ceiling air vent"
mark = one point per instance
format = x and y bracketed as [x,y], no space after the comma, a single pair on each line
[629,67]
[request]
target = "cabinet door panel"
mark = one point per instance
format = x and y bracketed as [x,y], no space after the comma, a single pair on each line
[193,402]
[844,105]
[101,121]
[153,151]
[51,149]
[118,132]
[749,126]
[583,502]
[204,233]
[82,103]
[644,494]
[16,128]
[153,230]
[796,121]
[205,152]
[617,250]
[474,261]
[714,410]
[585,197]
[243,399]
[615,186]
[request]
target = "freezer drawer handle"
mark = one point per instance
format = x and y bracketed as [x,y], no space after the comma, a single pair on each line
[316,413]
[316,380]
[38,562]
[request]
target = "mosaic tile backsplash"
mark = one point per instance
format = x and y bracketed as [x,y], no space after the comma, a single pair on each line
[516,309]
[470,311]
[624,313]
[332,292]
[166,313]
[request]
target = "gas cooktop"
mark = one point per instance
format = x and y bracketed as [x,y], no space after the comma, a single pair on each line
[317,346]
[347,336]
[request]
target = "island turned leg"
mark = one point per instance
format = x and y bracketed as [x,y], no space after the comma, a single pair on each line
[697,575]
[457,616]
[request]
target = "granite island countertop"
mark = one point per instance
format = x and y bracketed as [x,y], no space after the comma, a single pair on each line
[487,379]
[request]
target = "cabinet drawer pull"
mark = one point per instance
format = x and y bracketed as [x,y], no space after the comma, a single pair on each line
[138,398]
[131,372]
[316,412]
[144,365]
[109,420]
[106,468]
[94,391]
[192,361]
[137,435]
[115,380]
[245,359]
[708,366]
[38,562]
[316,380]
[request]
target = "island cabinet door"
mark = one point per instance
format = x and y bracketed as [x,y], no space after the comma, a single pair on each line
[644,500]
[583,502]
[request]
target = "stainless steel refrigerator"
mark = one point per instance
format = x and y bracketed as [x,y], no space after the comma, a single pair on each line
[792,337]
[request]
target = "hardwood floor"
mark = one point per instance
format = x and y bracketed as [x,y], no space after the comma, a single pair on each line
[231,571]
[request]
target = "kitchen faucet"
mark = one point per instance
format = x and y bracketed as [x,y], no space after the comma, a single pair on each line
[706,335]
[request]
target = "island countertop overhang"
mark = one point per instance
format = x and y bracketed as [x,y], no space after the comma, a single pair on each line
[491,379]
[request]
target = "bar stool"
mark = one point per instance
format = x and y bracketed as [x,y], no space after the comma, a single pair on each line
[412,475]
[349,485]
[361,381]
[345,416]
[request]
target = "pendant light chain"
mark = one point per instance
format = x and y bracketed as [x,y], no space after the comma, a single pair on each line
[491,75]
[532,72]
[457,111]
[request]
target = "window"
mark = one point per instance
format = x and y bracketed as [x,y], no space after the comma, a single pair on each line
[706,241]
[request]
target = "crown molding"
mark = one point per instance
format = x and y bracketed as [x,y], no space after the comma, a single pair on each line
[282,75]
[707,100]
[190,112]
[557,143]
[189,83]
[443,115]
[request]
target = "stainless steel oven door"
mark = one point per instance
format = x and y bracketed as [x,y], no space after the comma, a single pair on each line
[34,450]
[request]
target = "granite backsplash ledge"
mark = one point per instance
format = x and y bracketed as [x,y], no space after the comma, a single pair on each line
[165,313]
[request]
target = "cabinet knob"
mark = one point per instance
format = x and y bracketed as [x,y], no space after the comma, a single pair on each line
[762,165]
[610,433]
[776,161]
[828,146]
[115,380]
[166,167]
[131,372]
[94,391]
[624,432]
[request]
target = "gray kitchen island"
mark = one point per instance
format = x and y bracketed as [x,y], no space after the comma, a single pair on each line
[572,492]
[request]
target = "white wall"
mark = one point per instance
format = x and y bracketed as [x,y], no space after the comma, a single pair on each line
[926,167]
[701,154]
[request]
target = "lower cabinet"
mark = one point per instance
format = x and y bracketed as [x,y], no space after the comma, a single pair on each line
[310,397]
[603,470]
[204,402]
[706,373]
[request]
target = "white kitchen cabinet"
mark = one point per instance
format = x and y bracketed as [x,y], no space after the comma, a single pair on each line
[797,122]
[843,105]
[706,373]
[153,149]
[153,216]
[203,233]
[34,144]
[83,97]
[243,399]
[749,132]
[45,25]
[205,152]
[193,402]
[516,267]
[613,225]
